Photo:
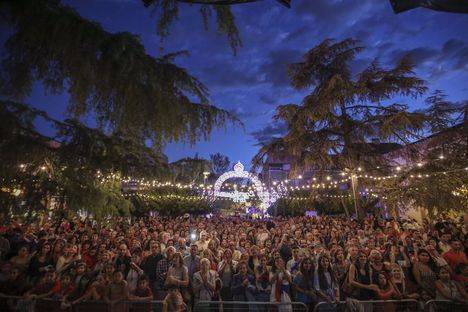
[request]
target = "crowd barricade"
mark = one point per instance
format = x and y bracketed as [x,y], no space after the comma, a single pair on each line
[248,306]
[406,305]
[445,306]
[20,304]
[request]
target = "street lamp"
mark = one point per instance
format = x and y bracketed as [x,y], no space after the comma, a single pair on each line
[205,176]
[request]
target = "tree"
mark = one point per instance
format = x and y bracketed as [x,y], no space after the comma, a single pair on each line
[169,11]
[333,127]
[455,6]
[438,179]
[107,75]
[80,168]
[189,170]
[220,163]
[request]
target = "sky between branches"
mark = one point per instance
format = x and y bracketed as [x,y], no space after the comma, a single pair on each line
[252,83]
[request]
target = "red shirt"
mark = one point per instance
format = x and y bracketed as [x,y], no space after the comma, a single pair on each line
[454,258]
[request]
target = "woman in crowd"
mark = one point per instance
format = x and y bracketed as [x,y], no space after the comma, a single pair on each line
[262,281]
[117,292]
[177,275]
[134,273]
[304,283]
[360,277]
[424,272]
[70,255]
[226,270]
[204,282]
[40,262]
[447,289]
[325,283]
[21,260]
[281,280]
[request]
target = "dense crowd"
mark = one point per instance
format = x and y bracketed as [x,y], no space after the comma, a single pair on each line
[185,260]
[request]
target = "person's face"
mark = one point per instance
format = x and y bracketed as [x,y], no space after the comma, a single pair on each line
[205,265]
[193,250]
[118,277]
[362,258]
[49,277]
[456,245]
[396,272]
[170,253]
[243,269]
[382,280]
[66,280]
[424,257]
[308,265]
[444,274]
[340,255]
[122,250]
[80,269]
[353,251]
[445,237]
[279,263]
[325,262]
[46,249]
[14,273]
[154,248]
[377,257]
[143,284]
[23,252]
[109,268]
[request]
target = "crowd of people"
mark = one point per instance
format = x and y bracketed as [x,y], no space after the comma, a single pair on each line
[185,260]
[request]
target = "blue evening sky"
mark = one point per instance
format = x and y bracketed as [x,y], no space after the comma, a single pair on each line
[253,82]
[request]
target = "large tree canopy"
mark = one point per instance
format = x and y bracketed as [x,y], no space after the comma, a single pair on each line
[336,121]
[107,75]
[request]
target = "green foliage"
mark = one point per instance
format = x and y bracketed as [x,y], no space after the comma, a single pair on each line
[169,12]
[334,125]
[170,201]
[189,170]
[107,75]
[79,167]
[220,163]
[446,187]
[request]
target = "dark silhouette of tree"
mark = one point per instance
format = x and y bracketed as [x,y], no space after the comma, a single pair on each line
[454,6]
[334,125]
[220,163]
[107,75]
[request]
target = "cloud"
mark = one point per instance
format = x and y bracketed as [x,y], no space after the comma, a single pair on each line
[418,55]
[227,75]
[451,56]
[241,113]
[274,70]
[272,131]
[268,99]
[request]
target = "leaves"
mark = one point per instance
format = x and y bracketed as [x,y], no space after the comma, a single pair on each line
[169,11]
[107,75]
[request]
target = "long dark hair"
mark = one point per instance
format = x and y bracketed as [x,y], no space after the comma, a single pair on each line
[323,282]
[307,275]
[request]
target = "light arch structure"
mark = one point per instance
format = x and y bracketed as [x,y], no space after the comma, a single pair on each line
[239,172]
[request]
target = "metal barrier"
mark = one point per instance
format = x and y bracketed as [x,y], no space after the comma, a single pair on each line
[21,304]
[248,306]
[406,305]
[445,306]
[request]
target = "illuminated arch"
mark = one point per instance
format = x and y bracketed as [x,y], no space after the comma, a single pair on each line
[239,172]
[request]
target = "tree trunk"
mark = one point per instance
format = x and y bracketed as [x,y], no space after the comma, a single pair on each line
[345,207]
